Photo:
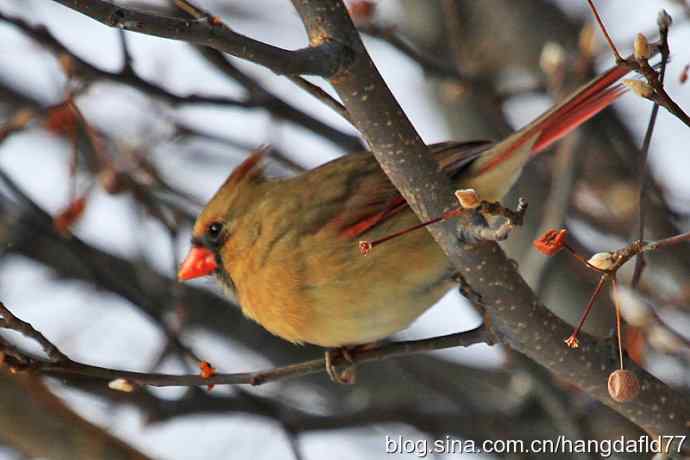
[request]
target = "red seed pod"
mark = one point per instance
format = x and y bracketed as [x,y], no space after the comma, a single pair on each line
[551,242]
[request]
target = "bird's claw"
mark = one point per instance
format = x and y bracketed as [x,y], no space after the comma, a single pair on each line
[347,376]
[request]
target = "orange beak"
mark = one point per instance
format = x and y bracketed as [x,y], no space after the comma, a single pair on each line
[199,262]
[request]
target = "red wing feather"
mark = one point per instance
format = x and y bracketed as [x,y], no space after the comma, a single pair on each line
[452,157]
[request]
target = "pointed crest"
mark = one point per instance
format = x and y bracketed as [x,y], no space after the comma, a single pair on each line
[231,197]
[250,168]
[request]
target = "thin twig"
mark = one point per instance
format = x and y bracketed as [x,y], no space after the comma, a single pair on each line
[427,63]
[612,45]
[555,209]
[257,92]
[259,98]
[644,154]
[63,366]
[126,55]
[197,12]
[321,95]
[571,340]
[614,286]
[9,321]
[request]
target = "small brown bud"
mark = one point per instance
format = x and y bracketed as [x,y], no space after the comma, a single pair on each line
[67,63]
[664,20]
[551,58]
[602,260]
[623,385]
[123,385]
[572,342]
[640,88]
[641,47]
[587,40]
[365,247]
[112,181]
[468,198]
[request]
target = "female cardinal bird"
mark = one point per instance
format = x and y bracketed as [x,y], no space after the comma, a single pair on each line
[288,247]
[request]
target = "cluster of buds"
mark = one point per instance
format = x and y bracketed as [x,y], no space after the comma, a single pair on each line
[641,53]
[623,385]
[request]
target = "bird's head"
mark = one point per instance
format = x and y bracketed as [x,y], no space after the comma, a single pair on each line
[215,225]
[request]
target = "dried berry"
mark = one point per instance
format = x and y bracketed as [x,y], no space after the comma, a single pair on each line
[623,385]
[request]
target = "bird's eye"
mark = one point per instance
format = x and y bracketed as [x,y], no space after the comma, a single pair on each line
[214,231]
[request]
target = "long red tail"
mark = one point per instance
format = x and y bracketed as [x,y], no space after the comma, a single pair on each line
[552,125]
[582,106]
[511,154]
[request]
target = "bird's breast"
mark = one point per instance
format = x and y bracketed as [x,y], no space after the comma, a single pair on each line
[317,288]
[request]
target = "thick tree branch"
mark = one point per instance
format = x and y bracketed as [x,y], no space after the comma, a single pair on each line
[323,60]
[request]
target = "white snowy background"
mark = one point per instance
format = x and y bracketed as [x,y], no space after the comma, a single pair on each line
[110,332]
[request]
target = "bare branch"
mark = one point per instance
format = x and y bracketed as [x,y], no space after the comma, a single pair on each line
[325,59]
[322,95]
[644,154]
[61,365]
[200,14]
[9,321]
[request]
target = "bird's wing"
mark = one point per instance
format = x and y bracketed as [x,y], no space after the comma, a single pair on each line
[371,198]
